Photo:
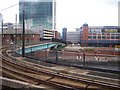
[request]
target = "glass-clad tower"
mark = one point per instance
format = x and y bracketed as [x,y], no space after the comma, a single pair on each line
[38,12]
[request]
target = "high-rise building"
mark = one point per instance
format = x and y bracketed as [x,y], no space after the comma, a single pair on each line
[38,12]
[64,33]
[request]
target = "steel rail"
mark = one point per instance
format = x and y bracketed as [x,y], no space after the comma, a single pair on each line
[75,78]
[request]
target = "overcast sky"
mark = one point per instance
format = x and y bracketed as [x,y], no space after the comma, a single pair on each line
[73,13]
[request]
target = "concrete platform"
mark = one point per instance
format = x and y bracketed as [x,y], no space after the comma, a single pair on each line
[18,85]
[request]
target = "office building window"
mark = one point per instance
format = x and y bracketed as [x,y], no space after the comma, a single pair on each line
[117,37]
[99,37]
[103,37]
[108,37]
[90,37]
[112,37]
[94,37]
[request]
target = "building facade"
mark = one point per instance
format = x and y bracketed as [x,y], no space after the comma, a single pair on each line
[57,35]
[13,34]
[84,35]
[46,34]
[64,33]
[73,37]
[100,35]
[38,12]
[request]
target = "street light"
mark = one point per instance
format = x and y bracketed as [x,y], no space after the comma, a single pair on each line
[12,44]
[47,50]
[2,31]
[30,32]
[15,35]
[83,60]
[56,53]
[23,38]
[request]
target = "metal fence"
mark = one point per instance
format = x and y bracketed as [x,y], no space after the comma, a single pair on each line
[77,59]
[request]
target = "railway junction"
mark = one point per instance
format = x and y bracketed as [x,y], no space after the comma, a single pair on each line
[20,73]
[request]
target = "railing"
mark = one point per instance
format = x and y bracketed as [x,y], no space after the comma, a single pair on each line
[82,60]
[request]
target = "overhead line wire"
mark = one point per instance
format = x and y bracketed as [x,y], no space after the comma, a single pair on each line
[9,7]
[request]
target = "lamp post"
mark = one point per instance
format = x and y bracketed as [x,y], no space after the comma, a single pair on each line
[83,60]
[13,46]
[56,53]
[15,36]
[46,52]
[31,38]
[23,38]
[2,31]
[30,32]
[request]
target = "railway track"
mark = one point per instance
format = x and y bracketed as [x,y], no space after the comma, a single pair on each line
[29,73]
[30,77]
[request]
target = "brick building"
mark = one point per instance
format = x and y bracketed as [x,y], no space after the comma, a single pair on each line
[13,33]
[99,35]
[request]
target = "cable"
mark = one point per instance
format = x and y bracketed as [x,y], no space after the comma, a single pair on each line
[9,7]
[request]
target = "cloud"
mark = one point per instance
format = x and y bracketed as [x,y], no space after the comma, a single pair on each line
[73,13]
[113,3]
